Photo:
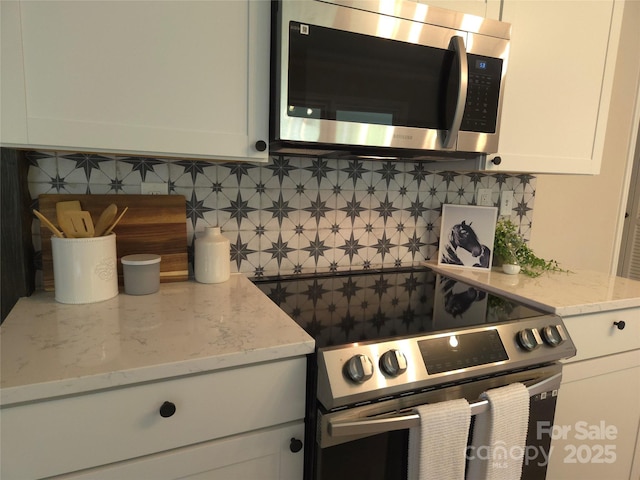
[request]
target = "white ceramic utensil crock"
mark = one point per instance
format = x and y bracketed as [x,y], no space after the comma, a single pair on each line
[84,269]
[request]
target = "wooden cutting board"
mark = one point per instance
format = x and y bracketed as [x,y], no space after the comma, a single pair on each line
[153,224]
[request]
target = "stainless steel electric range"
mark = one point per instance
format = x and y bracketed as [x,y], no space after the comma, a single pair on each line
[388,340]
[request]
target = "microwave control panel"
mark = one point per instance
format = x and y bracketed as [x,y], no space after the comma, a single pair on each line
[483,90]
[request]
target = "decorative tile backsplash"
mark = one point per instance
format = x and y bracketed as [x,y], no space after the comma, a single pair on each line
[294,214]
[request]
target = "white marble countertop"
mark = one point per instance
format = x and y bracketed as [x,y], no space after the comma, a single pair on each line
[566,294]
[49,349]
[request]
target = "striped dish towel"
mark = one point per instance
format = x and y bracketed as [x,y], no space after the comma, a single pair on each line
[437,447]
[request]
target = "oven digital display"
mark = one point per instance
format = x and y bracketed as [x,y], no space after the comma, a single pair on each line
[453,352]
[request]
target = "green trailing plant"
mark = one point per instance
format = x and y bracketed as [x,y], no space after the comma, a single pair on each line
[510,247]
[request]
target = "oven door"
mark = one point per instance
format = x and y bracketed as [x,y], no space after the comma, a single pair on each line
[371,441]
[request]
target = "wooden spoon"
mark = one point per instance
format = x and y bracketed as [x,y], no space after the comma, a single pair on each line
[106,218]
[108,230]
[48,224]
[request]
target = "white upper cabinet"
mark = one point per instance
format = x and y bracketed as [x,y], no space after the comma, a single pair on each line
[481,8]
[179,78]
[558,86]
[13,121]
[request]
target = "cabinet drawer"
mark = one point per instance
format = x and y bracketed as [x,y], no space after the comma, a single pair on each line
[264,455]
[69,434]
[596,334]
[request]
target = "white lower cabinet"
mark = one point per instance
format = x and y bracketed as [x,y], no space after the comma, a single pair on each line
[598,412]
[268,454]
[234,423]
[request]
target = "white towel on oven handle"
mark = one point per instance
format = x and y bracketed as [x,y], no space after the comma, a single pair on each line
[437,447]
[499,435]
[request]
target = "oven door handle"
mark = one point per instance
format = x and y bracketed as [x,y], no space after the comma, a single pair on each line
[386,424]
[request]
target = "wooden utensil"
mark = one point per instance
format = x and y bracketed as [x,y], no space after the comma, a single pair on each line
[108,230]
[45,221]
[69,206]
[64,222]
[81,223]
[106,218]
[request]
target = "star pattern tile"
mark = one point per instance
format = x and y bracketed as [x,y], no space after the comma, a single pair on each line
[193,168]
[240,251]
[239,209]
[279,250]
[388,172]
[87,162]
[196,209]
[281,167]
[318,209]
[294,214]
[280,209]
[316,248]
[142,165]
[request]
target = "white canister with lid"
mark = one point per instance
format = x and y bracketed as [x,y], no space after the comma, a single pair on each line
[212,256]
[141,273]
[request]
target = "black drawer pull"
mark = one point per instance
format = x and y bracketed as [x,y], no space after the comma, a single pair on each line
[296,445]
[620,324]
[167,409]
[261,145]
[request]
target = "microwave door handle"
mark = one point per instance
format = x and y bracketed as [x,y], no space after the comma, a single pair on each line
[460,51]
[387,424]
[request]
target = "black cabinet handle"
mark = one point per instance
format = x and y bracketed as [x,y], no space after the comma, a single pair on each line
[261,145]
[296,445]
[167,409]
[496,161]
[620,324]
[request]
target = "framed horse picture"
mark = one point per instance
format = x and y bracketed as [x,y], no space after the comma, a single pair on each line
[466,236]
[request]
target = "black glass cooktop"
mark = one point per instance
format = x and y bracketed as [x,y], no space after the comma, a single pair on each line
[341,308]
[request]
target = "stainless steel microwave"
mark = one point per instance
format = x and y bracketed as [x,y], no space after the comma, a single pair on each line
[385,78]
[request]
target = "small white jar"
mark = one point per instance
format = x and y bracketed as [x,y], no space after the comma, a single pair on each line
[212,256]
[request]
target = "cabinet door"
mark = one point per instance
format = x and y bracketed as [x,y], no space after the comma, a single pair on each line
[263,455]
[186,78]
[481,8]
[597,419]
[13,122]
[558,85]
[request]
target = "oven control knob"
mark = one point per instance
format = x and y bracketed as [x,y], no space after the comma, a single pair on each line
[553,335]
[393,363]
[359,368]
[529,339]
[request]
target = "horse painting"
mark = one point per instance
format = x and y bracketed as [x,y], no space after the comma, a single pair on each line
[463,237]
